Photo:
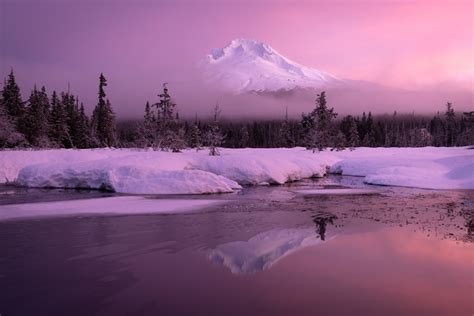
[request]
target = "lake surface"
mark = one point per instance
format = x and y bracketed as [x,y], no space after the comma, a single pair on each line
[278,250]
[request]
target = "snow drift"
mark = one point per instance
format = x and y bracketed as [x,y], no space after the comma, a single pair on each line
[191,172]
[428,167]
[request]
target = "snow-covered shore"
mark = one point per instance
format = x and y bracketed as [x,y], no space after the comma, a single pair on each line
[191,172]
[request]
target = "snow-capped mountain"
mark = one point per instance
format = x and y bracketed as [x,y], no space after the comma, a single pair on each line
[246,65]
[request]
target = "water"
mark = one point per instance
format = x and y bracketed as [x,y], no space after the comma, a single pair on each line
[269,251]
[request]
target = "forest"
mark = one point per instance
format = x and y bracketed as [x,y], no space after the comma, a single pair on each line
[59,120]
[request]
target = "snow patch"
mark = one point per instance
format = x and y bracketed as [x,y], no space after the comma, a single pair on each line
[111,205]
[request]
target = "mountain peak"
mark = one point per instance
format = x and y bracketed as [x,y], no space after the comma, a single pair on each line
[246,65]
[242,46]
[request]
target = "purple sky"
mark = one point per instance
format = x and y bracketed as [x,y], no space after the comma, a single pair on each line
[140,44]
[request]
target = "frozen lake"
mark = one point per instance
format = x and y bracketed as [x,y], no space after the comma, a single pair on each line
[330,246]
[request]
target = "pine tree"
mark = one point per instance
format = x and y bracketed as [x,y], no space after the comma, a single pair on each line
[69,104]
[368,139]
[450,116]
[466,133]
[83,139]
[195,140]
[323,133]
[35,126]
[9,136]
[353,135]
[104,118]
[349,129]
[214,137]
[285,138]
[245,137]
[437,130]
[11,97]
[59,133]
[169,132]
[147,129]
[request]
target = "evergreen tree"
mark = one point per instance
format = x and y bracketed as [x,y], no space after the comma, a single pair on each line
[59,133]
[214,136]
[245,136]
[285,138]
[350,131]
[9,136]
[84,137]
[169,133]
[466,132]
[11,97]
[36,127]
[147,129]
[104,118]
[437,130]
[69,105]
[195,140]
[450,116]
[323,134]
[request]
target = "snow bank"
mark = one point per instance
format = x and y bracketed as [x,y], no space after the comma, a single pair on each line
[134,179]
[110,205]
[191,172]
[263,166]
[150,172]
[429,167]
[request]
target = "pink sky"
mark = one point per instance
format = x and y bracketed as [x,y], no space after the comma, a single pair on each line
[139,44]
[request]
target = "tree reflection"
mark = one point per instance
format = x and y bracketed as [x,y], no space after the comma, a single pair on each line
[321,221]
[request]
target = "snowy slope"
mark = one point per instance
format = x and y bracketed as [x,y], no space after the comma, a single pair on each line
[246,65]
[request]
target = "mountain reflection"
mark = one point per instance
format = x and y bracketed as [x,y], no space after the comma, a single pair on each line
[262,251]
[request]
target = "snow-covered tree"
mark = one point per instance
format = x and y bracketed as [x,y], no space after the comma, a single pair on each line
[195,137]
[353,137]
[466,132]
[349,128]
[147,130]
[420,137]
[321,130]
[9,136]
[214,137]
[169,133]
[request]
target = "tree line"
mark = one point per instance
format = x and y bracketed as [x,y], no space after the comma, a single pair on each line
[60,121]
[56,121]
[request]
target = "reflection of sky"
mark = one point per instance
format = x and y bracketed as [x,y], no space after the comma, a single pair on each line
[140,44]
[390,270]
